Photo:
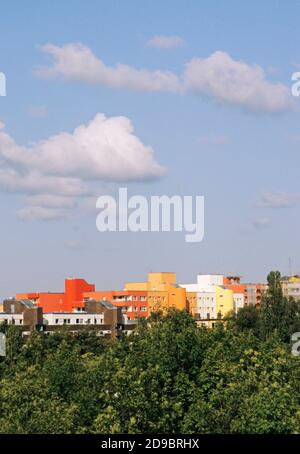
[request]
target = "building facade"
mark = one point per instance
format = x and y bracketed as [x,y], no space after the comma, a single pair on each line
[208,299]
[100,316]
[291,286]
[163,292]
[244,293]
[68,301]
[133,303]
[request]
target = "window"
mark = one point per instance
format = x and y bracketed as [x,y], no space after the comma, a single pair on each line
[56,321]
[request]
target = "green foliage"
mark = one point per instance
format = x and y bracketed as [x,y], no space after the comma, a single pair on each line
[276,314]
[168,376]
[27,405]
[248,319]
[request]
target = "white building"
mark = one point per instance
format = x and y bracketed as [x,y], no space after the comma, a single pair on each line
[207,305]
[210,293]
[239,301]
[73,318]
[11,319]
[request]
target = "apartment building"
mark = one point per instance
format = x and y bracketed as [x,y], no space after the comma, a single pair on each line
[208,299]
[68,301]
[163,292]
[211,297]
[21,313]
[291,286]
[133,303]
[244,293]
[100,316]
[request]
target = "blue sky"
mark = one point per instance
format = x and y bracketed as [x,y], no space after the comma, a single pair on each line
[241,153]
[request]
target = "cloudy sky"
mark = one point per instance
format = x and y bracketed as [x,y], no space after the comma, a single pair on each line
[173,97]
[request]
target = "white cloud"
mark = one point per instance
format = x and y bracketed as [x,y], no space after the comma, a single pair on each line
[279,199]
[262,223]
[66,169]
[218,76]
[51,201]
[77,62]
[42,213]
[35,182]
[235,82]
[165,42]
[105,148]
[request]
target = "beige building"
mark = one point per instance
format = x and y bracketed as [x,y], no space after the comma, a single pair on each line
[291,286]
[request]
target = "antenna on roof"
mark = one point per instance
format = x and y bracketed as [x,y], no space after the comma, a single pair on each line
[290,266]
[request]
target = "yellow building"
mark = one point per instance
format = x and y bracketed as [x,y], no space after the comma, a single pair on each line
[163,292]
[294,279]
[224,301]
[291,286]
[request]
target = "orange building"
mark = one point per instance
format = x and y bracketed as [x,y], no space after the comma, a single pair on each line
[137,300]
[191,302]
[74,290]
[162,291]
[68,301]
[134,303]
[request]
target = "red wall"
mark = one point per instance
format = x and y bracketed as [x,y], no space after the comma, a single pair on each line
[61,302]
[74,289]
[52,302]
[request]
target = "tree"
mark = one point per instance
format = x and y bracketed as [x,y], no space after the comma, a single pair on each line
[247,318]
[253,392]
[149,378]
[278,312]
[27,405]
